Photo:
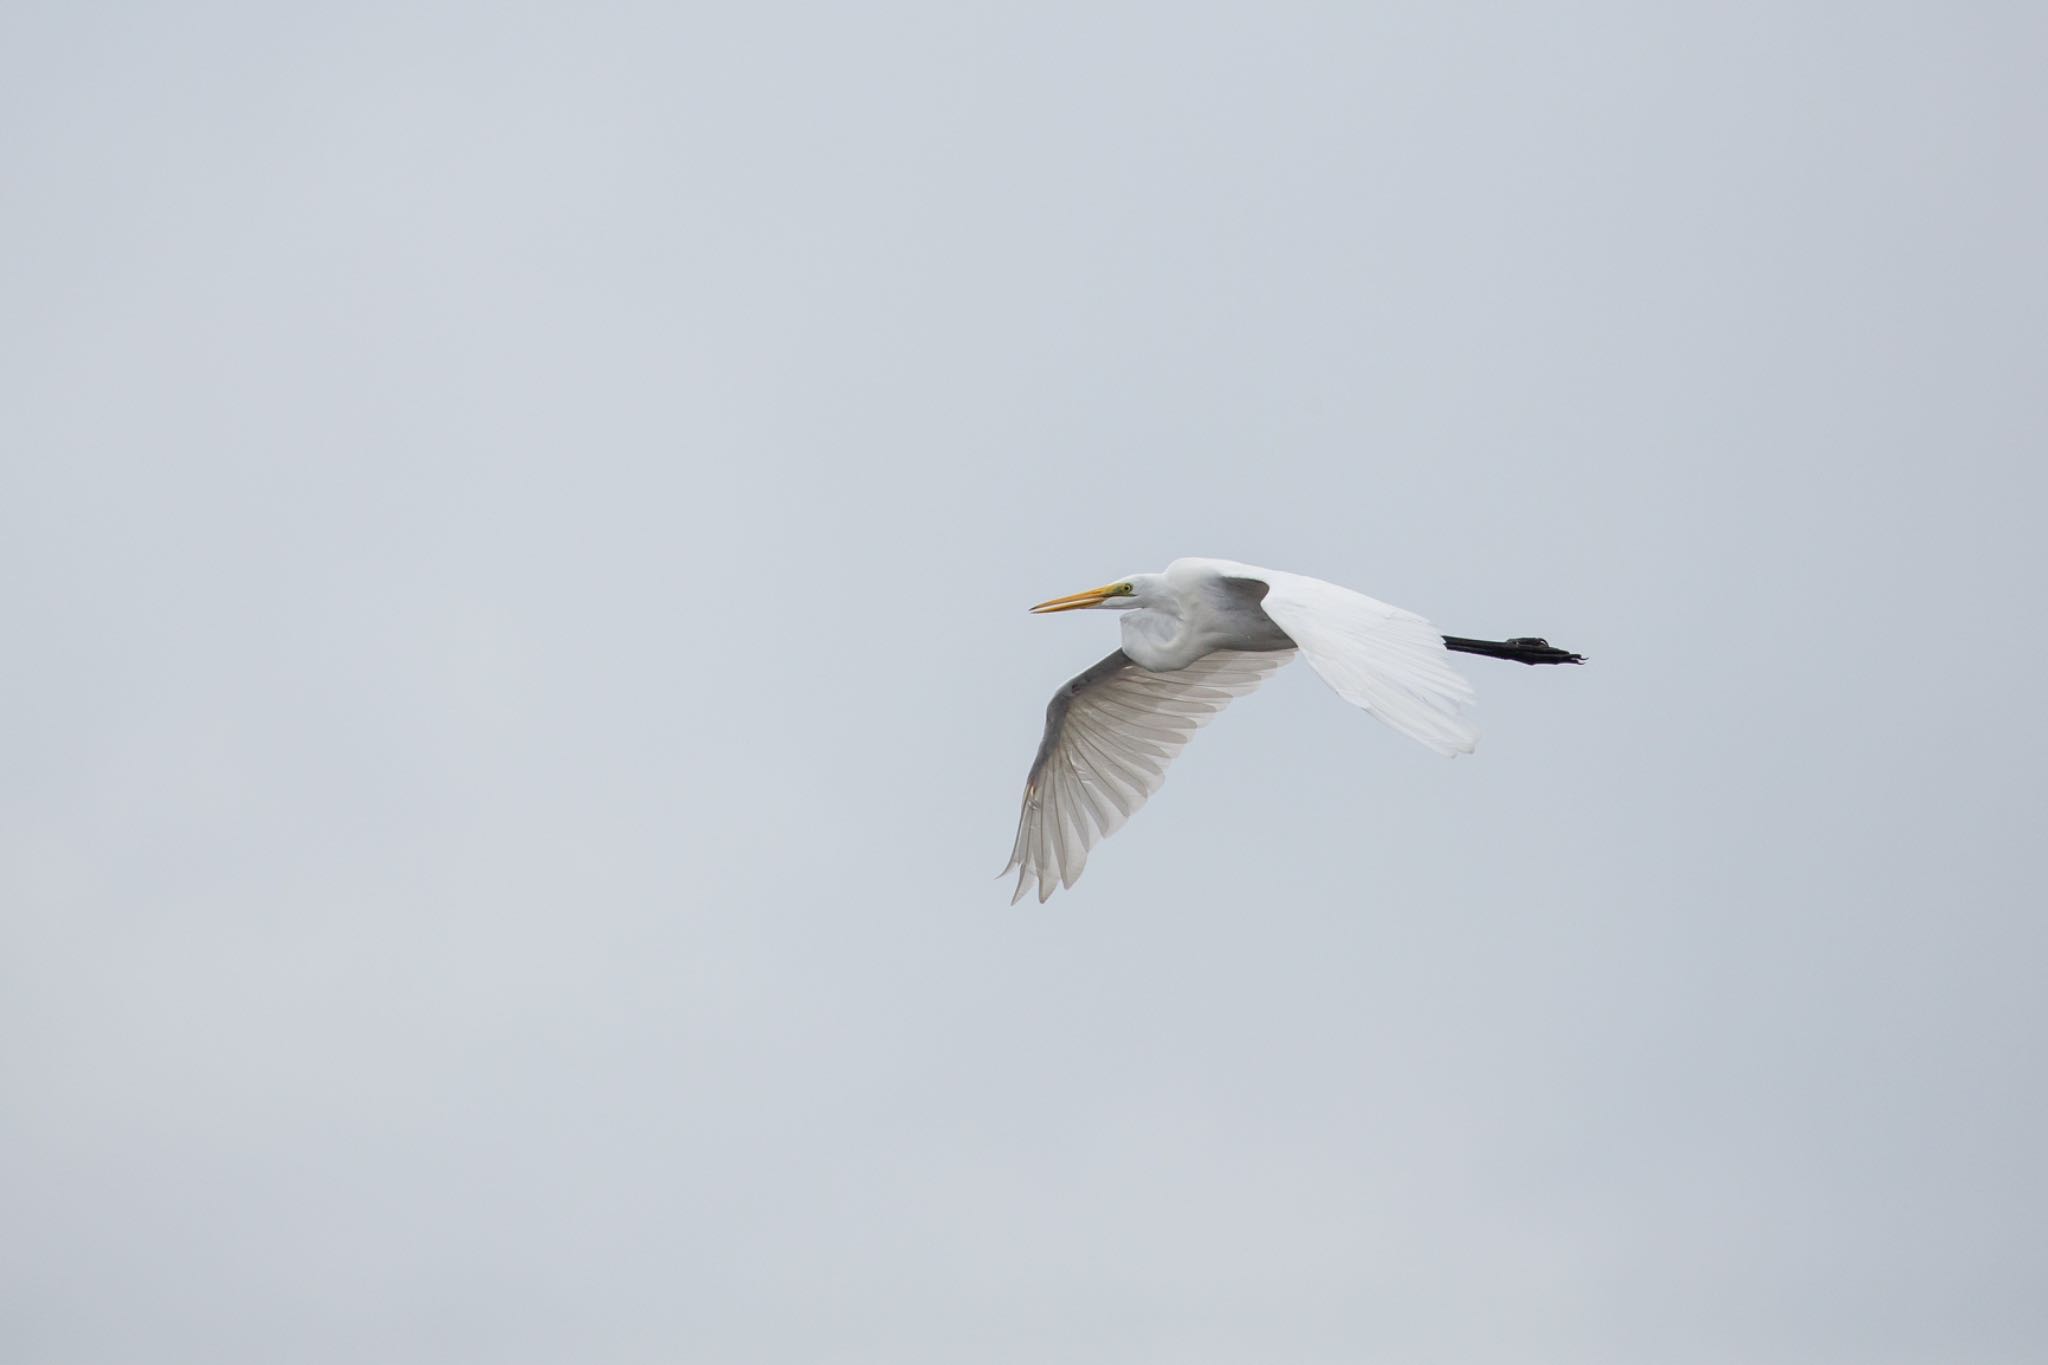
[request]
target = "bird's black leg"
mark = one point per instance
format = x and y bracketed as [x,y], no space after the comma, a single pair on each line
[1525,649]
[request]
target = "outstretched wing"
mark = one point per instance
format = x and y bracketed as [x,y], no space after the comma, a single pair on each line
[1389,661]
[1109,735]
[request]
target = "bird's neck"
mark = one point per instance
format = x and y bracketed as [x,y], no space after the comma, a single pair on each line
[1161,639]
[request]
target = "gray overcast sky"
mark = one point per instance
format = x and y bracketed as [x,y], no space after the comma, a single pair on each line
[514,531]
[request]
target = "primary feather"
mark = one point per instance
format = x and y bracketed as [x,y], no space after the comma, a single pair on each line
[1389,661]
[1109,735]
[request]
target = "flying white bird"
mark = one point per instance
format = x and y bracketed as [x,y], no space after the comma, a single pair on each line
[1203,632]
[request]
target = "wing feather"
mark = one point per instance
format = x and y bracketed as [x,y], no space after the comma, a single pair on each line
[1387,660]
[1109,735]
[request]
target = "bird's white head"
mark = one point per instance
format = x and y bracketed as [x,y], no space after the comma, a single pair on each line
[1138,590]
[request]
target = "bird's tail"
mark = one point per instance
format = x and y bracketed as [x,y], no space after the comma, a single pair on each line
[1522,650]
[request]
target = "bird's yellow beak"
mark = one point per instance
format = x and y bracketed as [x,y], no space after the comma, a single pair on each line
[1094,597]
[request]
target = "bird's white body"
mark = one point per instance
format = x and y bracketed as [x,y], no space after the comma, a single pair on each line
[1195,637]
[1188,611]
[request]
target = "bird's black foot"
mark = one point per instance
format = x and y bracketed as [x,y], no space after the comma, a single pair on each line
[1524,649]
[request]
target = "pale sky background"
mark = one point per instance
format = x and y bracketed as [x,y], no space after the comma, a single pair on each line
[515,526]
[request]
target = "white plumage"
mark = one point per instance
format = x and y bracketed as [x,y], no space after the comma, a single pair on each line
[1389,661]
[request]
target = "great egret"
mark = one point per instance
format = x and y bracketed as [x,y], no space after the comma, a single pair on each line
[1203,632]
